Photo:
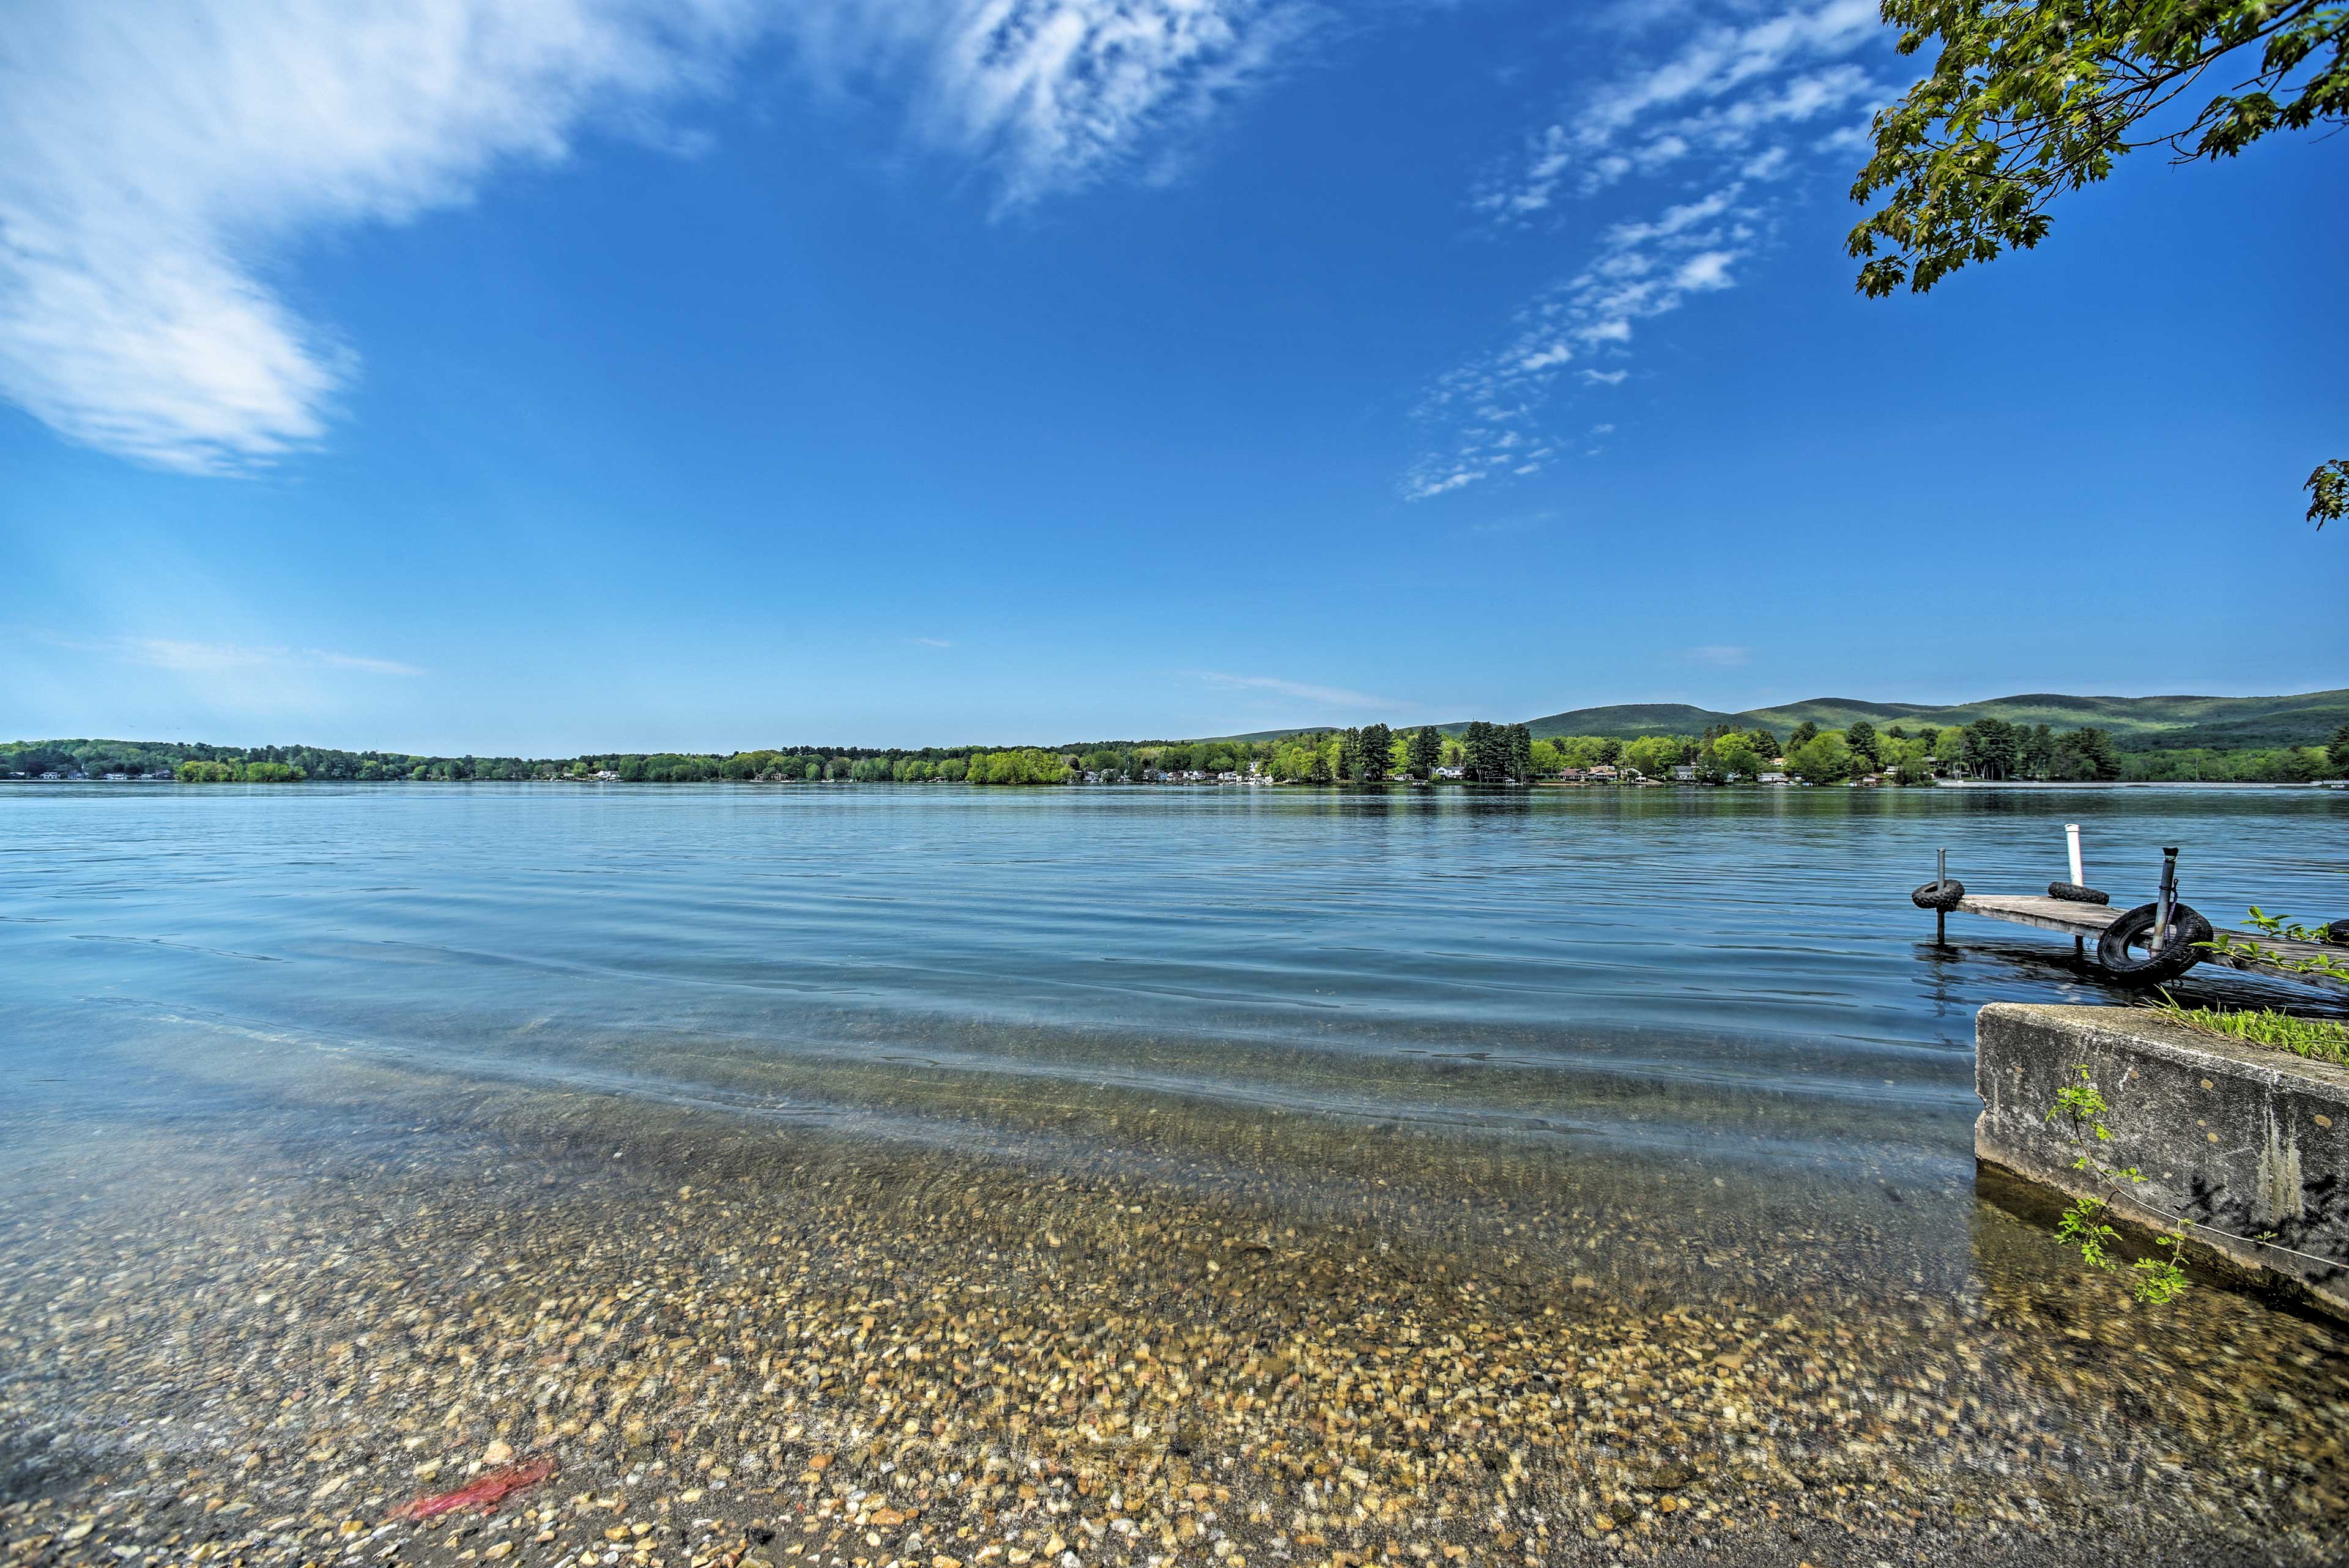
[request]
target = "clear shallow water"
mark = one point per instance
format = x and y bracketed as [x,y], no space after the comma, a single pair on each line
[1653,1107]
[1739,972]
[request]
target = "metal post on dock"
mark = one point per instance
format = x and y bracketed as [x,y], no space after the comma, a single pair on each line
[1941,916]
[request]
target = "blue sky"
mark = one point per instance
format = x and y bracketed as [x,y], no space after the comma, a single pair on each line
[455,377]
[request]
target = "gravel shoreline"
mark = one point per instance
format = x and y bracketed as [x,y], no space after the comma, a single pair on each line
[1123,1333]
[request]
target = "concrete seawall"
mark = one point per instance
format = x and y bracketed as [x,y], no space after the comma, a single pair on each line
[2242,1139]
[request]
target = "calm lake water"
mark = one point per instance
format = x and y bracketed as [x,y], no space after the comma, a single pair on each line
[1730,970]
[1690,1057]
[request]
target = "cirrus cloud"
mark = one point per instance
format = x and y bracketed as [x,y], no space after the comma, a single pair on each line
[158,163]
[1724,112]
[1327,696]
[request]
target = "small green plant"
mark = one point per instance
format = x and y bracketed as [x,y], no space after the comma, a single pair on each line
[2283,928]
[2314,1038]
[2283,925]
[2155,1279]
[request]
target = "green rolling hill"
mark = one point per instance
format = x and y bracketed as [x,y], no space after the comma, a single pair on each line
[2137,723]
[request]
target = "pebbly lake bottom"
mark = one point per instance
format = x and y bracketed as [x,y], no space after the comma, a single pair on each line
[813,1311]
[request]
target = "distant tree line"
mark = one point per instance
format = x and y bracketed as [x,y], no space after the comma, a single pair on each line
[1478,753]
[193,772]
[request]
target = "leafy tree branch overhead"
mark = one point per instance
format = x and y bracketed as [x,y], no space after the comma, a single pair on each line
[2328,489]
[2028,99]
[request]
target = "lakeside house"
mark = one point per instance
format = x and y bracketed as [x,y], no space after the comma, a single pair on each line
[1450,773]
[1770,775]
[1606,773]
[1683,772]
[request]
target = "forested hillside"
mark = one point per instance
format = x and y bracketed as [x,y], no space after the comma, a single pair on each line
[2273,739]
[2135,723]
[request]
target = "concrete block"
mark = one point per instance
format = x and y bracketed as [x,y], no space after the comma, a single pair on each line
[2240,1138]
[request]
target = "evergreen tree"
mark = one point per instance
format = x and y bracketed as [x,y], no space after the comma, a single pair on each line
[2084,753]
[1487,753]
[1990,745]
[2034,751]
[1376,744]
[1861,738]
[1521,753]
[1427,749]
[1805,733]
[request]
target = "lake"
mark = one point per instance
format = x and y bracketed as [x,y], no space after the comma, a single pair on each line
[1540,1174]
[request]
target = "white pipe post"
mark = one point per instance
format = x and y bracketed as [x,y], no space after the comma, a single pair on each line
[2072,843]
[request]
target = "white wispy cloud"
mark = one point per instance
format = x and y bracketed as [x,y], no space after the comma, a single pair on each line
[1722,113]
[154,163]
[1715,93]
[168,654]
[1328,696]
[158,164]
[1719,656]
[1488,411]
[933,643]
[1056,94]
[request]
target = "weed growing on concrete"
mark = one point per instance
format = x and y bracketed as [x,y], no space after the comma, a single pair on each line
[2314,1038]
[2152,1280]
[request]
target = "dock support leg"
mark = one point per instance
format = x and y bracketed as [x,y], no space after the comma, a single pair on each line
[2079,947]
[1942,927]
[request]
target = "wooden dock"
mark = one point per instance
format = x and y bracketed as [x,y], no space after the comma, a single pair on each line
[2077,920]
[2082,922]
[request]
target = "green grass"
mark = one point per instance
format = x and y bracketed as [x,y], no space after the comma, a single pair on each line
[2311,1037]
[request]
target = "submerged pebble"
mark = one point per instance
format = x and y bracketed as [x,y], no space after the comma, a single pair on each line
[746,1344]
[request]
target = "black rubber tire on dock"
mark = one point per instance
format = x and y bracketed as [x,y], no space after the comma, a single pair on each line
[2073,893]
[2338,931]
[2187,928]
[1941,895]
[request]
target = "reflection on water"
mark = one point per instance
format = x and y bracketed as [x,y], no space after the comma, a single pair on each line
[1524,1175]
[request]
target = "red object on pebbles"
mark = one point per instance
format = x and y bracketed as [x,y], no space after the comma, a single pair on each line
[484,1492]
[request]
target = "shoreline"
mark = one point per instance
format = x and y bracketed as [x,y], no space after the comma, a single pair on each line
[789,1341]
[1285,784]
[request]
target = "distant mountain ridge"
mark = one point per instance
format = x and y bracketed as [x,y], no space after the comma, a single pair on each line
[2137,723]
[2244,724]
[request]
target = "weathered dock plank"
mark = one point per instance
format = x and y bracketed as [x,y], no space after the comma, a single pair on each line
[2046,913]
